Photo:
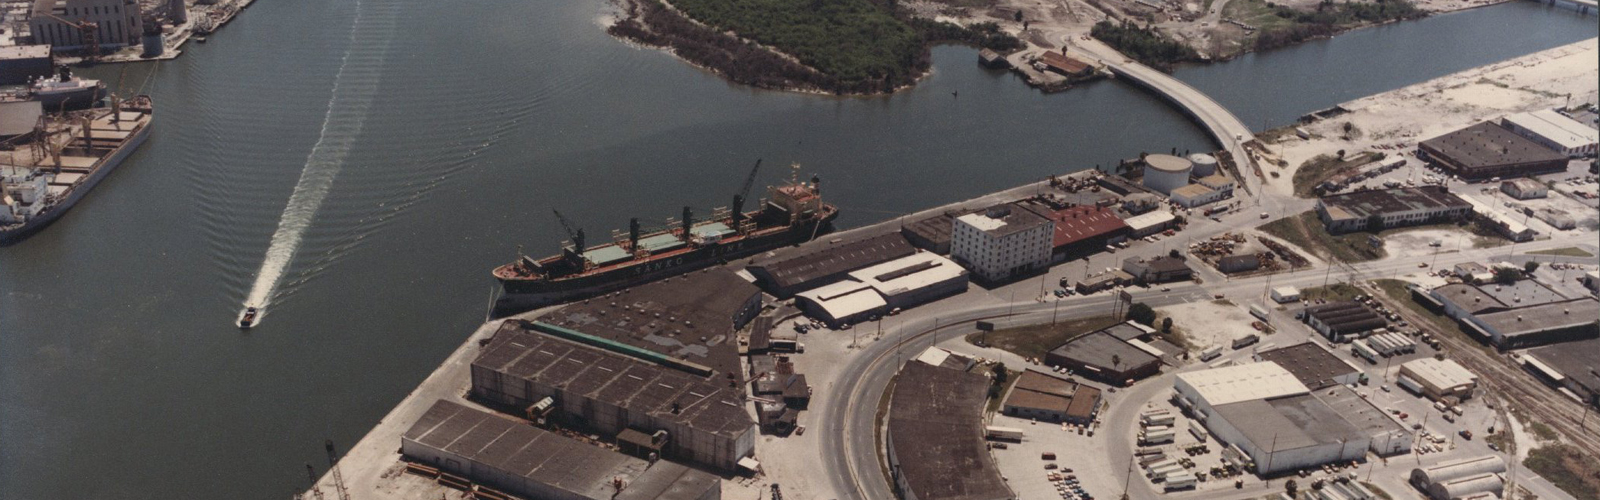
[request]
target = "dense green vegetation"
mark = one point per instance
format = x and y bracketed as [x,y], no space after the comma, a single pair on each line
[1315,171]
[1144,45]
[842,46]
[1329,18]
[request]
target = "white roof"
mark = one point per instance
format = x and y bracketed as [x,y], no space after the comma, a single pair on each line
[933,356]
[1286,291]
[1556,127]
[982,222]
[1487,210]
[1141,345]
[845,298]
[1148,220]
[1247,382]
[1444,374]
[930,269]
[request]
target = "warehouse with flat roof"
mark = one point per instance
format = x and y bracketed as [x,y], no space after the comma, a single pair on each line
[1313,365]
[517,458]
[710,304]
[1489,150]
[820,265]
[1044,396]
[1339,321]
[1521,314]
[1573,366]
[1437,379]
[1080,229]
[1555,131]
[1109,355]
[607,387]
[935,436]
[1409,206]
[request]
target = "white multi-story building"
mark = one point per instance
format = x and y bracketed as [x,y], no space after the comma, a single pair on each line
[1002,242]
[118,23]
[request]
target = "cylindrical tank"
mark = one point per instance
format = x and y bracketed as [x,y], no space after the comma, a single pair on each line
[1204,164]
[153,44]
[1164,173]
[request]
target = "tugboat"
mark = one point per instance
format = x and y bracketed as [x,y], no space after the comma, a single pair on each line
[65,92]
[247,318]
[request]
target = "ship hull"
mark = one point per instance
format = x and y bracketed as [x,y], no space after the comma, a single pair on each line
[13,234]
[521,294]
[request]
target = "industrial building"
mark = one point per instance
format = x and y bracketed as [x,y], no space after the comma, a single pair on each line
[1312,365]
[1555,131]
[1151,223]
[1339,321]
[1164,173]
[1239,263]
[820,265]
[1488,150]
[710,304]
[933,233]
[118,23]
[1116,354]
[1266,414]
[1524,188]
[516,458]
[1002,242]
[1195,195]
[1521,314]
[1080,229]
[1512,228]
[1138,203]
[1064,64]
[1160,269]
[1044,396]
[1411,206]
[1462,478]
[1574,367]
[875,290]
[20,64]
[608,387]
[935,436]
[1437,379]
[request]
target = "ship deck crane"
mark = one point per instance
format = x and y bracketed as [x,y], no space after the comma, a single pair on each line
[738,199]
[576,234]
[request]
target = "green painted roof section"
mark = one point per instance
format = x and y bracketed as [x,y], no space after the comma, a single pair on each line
[664,241]
[713,229]
[618,347]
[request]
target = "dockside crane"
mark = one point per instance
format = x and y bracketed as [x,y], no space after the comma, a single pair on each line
[738,199]
[88,33]
[576,234]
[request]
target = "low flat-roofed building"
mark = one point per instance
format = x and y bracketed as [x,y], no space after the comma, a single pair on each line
[1555,131]
[520,459]
[1080,229]
[843,302]
[1523,188]
[1065,64]
[1439,379]
[932,233]
[1218,182]
[1313,365]
[20,64]
[1150,223]
[1512,228]
[1160,269]
[608,386]
[819,264]
[991,59]
[943,358]
[914,279]
[711,304]
[1138,203]
[1487,150]
[1043,396]
[1239,263]
[1520,314]
[1103,355]
[1573,365]
[1338,321]
[1003,242]
[1102,281]
[935,436]
[1195,195]
[1410,206]
[1231,384]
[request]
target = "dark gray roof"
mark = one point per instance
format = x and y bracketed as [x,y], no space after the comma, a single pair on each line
[936,431]
[1345,317]
[705,403]
[517,449]
[1161,265]
[1309,362]
[1362,204]
[689,316]
[1097,348]
[825,260]
[1546,317]
[1488,144]
[1579,360]
[1289,422]
[1015,217]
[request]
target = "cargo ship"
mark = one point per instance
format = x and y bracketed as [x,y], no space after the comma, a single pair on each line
[791,214]
[45,172]
[65,91]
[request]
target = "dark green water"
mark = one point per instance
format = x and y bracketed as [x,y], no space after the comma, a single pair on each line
[443,133]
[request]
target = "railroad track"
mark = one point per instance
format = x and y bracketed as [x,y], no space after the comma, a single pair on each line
[1509,382]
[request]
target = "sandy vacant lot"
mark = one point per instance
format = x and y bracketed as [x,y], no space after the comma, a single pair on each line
[1210,323]
[1395,121]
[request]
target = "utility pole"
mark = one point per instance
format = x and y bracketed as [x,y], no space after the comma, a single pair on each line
[1129,479]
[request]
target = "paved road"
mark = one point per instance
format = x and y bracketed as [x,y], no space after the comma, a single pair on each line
[849,423]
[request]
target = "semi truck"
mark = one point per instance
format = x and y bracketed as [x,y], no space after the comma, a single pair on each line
[1245,341]
[1211,353]
[1003,433]
[1150,438]
[1260,312]
[1152,420]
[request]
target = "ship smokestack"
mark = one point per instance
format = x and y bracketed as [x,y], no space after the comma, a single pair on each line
[816,183]
[688,220]
[633,234]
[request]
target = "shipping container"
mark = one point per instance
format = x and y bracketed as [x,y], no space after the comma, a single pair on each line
[1246,341]
[1004,433]
[1211,353]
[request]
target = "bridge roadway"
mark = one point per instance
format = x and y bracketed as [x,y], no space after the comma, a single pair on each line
[850,450]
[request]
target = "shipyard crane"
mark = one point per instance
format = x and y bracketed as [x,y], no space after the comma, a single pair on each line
[738,199]
[88,33]
[576,234]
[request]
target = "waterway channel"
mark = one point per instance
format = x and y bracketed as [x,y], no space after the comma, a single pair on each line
[442,134]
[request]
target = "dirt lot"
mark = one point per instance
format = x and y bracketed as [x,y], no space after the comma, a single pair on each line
[1210,323]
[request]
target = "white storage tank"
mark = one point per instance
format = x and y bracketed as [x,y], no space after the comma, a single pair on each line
[1164,173]
[1204,164]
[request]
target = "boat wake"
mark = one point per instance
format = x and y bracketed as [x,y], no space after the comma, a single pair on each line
[354,89]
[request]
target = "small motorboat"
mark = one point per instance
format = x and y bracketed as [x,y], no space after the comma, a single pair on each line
[247,318]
